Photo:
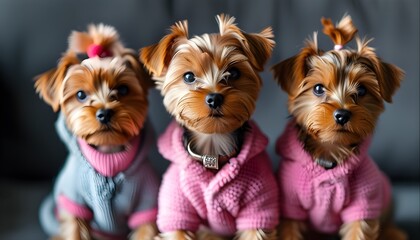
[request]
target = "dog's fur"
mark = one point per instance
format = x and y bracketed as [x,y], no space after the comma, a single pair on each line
[354,80]
[214,59]
[100,80]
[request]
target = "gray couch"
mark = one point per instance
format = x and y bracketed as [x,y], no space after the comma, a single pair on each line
[34,33]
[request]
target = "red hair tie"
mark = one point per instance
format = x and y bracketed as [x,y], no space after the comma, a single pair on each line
[97,50]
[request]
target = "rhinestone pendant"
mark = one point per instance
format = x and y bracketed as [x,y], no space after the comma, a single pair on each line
[211,162]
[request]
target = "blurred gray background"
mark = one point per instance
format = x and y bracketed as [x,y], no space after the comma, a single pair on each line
[33,34]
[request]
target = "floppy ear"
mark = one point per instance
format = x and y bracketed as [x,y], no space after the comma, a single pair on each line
[258,46]
[157,57]
[48,84]
[132,61]
[389,79]
[290,72]
[389,76]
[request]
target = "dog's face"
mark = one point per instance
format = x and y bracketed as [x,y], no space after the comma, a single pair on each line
[104,100]
[210,83]
[337,96]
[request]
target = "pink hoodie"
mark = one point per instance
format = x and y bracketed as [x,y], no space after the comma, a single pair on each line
[353,190]
[243,194]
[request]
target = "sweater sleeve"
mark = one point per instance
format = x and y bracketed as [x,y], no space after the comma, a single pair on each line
[370,193]
[260,205]
[67,191]
[175,210]
[290,184]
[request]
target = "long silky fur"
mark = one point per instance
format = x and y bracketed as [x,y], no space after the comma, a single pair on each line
[291,229]
[176,235]
[256,234]
[146,231]
[73,228]
[360,230]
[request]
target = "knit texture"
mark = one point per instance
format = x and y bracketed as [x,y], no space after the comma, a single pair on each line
[116,202]
[354,190]
[109,164]
[242,195]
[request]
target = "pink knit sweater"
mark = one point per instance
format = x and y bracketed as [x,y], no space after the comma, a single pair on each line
[354,190]
[242,195]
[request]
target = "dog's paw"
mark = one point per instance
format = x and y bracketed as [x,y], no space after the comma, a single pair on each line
[256,234]
[176,235]
[144,232]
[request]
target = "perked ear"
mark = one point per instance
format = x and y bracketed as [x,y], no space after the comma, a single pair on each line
[48,84]
[258,46]
[156,58]
[389,76]
[290,72]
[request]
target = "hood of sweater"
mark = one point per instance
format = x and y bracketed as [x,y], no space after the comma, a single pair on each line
[290,148]
[107,164]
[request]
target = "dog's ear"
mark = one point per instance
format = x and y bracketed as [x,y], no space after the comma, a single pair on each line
[132,61]
[258,46]
[290,72]
[389,76]
[157,57]
[48,84]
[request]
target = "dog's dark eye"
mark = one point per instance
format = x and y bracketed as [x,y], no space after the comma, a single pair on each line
[319,90]
[361,91]
[234,73]
[122,90]
[189,77]
[81,96]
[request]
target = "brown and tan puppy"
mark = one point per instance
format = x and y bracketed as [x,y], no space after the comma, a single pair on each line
[106,188]
[328,182]
[210,84]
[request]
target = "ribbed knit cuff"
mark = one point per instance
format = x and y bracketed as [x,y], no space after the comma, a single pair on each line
[140,218]
[262,223]
[74,208]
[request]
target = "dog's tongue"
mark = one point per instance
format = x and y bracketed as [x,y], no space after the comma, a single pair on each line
[110,148]
[109,160]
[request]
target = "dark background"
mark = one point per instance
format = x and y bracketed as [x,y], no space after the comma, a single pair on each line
[33,34]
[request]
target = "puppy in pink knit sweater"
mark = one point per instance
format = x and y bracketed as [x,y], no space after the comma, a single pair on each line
[329,184]
[220,183]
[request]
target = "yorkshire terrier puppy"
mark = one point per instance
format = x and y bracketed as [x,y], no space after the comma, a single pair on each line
[107,187]
[220,180]
[329,184]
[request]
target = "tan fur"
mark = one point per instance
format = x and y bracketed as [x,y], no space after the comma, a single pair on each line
[341,73]
[100,79]
[176,235]
[210,57]
[72,228]
[342,33]
[360,230]
[256,234]
[144,232]
[291,229]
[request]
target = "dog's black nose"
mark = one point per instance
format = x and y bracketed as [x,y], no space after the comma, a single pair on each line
[104,115]
[342,116]
[214,100]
